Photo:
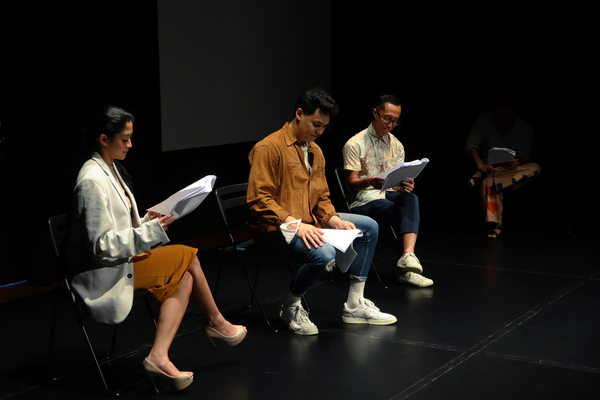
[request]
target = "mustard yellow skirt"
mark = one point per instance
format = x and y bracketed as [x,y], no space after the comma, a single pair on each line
[161,270]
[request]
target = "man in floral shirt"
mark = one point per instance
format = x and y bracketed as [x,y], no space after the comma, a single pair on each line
[376,150]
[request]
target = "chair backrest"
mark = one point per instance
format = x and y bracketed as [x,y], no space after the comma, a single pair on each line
[343,185]
[58,233]
[231,197]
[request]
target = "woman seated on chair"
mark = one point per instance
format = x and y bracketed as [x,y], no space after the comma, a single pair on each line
[113,252]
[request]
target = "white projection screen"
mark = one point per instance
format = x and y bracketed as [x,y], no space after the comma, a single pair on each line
[230,71]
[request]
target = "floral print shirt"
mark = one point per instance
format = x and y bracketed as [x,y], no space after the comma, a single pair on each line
[369,154]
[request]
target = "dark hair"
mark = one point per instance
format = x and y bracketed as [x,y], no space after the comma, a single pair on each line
[109,120]
[387,98]
[504,100]
[317,99]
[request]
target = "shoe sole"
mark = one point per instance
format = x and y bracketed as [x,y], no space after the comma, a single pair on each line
[310,333]
[413,285]
[299,332]
[365,321]
[418,270]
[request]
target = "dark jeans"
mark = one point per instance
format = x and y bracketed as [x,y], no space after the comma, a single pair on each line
[397,209]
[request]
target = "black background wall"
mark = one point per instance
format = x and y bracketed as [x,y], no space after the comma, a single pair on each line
[442,58]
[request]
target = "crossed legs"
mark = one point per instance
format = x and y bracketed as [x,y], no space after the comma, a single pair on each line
[195,286]
[491,192]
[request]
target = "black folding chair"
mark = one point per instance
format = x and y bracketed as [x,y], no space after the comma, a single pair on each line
[232,200]
[58,233]
[346,194]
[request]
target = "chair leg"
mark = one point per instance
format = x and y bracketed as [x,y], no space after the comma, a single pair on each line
[53,327]
[229,237]
[218,280]
[256,275]
[89,343]
[113,344]
[243,267]
[374,269]
[85,335]
[149,308]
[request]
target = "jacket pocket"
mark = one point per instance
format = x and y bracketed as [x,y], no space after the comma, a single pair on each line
[294,177]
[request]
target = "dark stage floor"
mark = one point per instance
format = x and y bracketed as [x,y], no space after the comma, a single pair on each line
[513,319]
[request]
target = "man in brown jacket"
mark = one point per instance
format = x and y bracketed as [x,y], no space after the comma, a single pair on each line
[289,203]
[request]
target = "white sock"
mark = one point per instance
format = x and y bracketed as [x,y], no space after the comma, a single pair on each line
[355,294]
[291,300]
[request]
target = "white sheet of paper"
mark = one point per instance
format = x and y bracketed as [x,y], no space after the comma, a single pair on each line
[341,239]
[401,173]
[499,155]
[187,199]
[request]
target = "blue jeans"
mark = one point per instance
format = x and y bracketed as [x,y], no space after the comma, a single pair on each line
[316,262]
[401,210]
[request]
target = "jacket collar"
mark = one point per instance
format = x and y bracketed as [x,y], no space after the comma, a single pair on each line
[112,178]
[290,137]
[98,159]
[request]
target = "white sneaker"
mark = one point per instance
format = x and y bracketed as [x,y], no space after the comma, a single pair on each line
[297,320]
[410,262]
[366,313]
[412,279]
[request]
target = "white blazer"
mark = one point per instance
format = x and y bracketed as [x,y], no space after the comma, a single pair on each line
[103,238]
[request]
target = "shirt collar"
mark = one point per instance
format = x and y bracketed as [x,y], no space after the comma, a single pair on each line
[290,137]
[374,136]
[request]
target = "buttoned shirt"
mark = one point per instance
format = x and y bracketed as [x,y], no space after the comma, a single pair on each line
[280,185]
[370,154]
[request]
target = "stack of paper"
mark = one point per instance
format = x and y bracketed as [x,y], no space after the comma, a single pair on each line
[402,173]
[187,199]
[499,155]
[341,239]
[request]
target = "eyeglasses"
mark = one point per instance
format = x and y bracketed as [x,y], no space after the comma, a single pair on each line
[387,120]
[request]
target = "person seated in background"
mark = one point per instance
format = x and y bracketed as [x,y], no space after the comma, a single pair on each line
[376,150]
[112,252]
[288,198]
[501,128]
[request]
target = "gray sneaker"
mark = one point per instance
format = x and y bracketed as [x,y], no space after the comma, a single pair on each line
[296,318]
[412,279]
[366,313]
[410,262]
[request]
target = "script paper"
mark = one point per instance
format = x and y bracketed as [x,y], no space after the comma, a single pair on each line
[498,155]
[402,173]
[187,199]
[342,241]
